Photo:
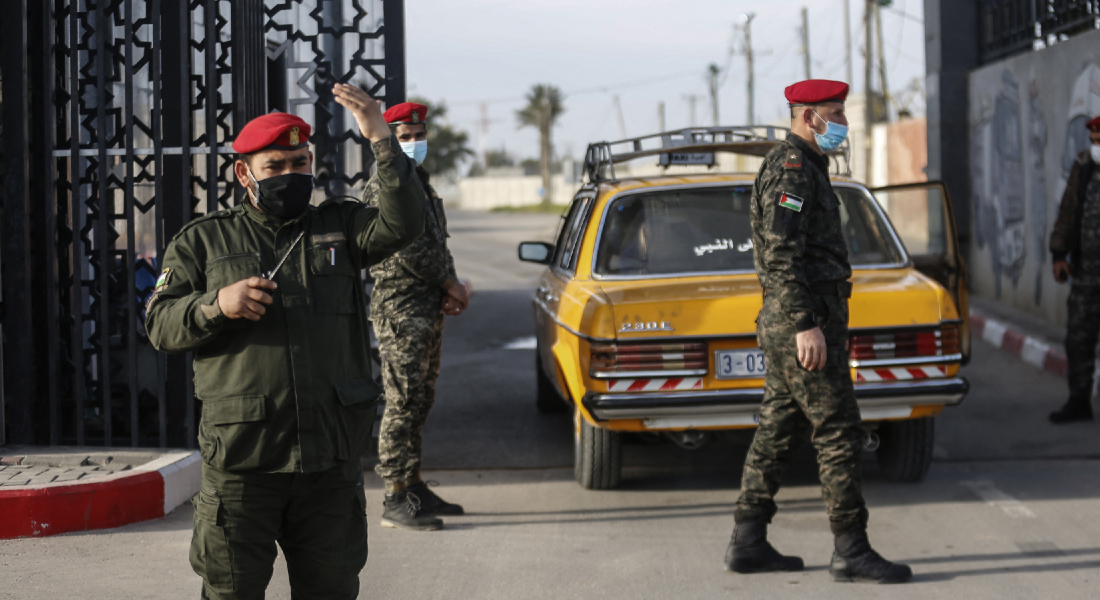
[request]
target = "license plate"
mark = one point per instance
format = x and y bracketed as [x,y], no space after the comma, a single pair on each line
[733,364]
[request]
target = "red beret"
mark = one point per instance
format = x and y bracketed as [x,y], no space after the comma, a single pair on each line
[277,130]
[816,91]
[406,112]
[1094,125]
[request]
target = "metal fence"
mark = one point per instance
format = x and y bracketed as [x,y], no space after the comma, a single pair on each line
[117,120]
[1011,26]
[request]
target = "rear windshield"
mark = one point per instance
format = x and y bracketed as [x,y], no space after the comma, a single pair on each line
[706,230]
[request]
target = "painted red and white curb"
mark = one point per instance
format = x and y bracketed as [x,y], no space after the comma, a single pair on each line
[654,385]
[1034,351]
[145,492]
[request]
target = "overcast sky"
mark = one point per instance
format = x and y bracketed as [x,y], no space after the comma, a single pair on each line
[646,51]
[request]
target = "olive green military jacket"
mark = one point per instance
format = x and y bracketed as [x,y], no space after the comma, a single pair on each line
[292,392]
[797,237]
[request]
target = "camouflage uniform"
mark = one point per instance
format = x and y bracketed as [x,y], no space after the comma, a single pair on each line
[1076,234]
[802,262]
[408,292]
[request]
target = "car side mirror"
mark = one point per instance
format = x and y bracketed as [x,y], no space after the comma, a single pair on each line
[536,252]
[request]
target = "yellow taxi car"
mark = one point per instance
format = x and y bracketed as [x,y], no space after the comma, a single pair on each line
[646,313]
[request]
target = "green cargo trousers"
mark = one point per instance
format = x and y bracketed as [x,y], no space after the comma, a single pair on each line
[820,404]
[318,519]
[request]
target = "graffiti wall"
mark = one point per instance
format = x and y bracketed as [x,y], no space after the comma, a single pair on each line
[1027,117]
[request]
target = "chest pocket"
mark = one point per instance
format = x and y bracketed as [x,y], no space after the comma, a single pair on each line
[334,278]
[231,268]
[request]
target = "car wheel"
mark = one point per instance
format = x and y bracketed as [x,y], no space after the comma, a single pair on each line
[905,448]
[546,399]
[597,455]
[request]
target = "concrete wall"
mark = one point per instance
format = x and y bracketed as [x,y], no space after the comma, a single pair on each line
[485,193]
[1026,120]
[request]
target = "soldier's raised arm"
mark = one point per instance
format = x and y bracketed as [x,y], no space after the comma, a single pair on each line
[399,218]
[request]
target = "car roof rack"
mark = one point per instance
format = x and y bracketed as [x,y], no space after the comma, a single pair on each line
[752,140]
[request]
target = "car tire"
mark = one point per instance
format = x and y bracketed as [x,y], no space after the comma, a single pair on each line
[597,455]
[547,398]
[905,449]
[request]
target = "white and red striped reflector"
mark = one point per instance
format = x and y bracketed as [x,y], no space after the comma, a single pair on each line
[900,373]
[654,385]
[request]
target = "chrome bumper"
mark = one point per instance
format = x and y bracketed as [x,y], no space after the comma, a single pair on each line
[715,408]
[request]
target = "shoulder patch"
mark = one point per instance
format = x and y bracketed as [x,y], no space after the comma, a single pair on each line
[790,201]
[163,280]
[793,160]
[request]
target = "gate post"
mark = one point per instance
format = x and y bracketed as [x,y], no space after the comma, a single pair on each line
[19,354]
[249,68]
[393,16]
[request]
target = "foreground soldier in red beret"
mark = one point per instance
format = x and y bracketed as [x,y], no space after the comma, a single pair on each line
[802,262]
[412,291]
[267,296]
[1075,244]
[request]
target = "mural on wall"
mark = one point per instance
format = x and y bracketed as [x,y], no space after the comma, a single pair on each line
[1037,190]
[1084,105]
[1027,116]
[998,192]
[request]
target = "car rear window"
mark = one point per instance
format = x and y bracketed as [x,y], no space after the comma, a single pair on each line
[708,230]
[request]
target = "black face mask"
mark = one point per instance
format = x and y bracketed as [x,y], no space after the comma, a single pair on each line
[284,196]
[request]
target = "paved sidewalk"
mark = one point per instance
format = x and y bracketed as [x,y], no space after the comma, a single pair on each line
[38,466]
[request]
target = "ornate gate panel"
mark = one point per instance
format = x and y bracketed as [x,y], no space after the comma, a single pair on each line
[118,117]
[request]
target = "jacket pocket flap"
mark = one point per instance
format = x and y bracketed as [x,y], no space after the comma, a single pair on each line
[238,409]
[358,391]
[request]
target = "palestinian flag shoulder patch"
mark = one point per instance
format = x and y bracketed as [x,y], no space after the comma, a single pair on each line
[790,201]
[162,281]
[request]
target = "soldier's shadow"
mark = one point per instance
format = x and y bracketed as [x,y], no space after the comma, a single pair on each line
[1083,559]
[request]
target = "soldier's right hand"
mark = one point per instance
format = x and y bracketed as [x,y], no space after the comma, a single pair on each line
[1061,271]
[246,298]
[812,351]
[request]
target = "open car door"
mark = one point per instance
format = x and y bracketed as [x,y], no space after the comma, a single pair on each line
[924,219]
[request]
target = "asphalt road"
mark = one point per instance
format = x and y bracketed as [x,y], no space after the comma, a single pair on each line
[1009,509]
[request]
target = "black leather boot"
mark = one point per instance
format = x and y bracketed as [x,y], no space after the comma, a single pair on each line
[402,511]
[854,560]
[1074,410]
[750,552]
[431,503]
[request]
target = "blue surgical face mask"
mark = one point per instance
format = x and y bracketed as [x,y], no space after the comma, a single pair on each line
[417,150]
[834,135]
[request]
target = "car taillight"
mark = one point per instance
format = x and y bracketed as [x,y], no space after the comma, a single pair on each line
[906,344]
[609,359]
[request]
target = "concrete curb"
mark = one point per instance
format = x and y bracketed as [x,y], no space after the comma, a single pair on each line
[148,491]
[1031,350]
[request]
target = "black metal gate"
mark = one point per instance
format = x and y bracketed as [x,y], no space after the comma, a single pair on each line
[117,120]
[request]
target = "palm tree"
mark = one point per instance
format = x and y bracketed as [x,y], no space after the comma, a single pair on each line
[544,106]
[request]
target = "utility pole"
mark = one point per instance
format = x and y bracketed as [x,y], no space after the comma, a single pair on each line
[713,72]
[661,116]
[869,103]
[691,100]
[747,29]
[805,42]
[848,41]
[483,136]
[882,64]
[619,115]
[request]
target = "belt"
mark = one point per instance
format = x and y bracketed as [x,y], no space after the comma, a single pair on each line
[842,289]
